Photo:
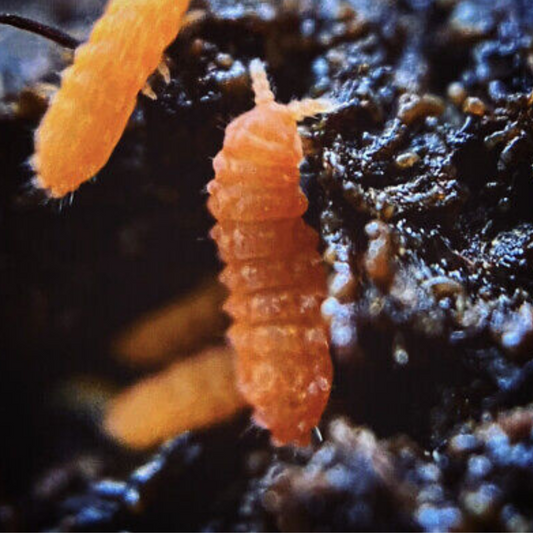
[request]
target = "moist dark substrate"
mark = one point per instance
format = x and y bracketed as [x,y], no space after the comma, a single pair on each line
[421,186]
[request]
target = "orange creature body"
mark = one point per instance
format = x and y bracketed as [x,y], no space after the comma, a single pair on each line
[98,92]
[192,393]
[178,328]
[274,272]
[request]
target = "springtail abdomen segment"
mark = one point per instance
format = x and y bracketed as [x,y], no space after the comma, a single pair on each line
[274,272]
[99,91]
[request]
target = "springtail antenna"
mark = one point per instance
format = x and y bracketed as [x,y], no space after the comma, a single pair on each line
[300,109]
[309,107]
[317,435]
[38,28]
[260,84]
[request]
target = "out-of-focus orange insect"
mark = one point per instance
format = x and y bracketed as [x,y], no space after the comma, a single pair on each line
[274,272]
[178,328]
[192,393]
[98,93]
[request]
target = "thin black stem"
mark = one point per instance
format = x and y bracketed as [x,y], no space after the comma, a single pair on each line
[23,23]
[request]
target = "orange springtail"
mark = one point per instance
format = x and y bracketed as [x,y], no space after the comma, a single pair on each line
[274,272]
[99,91]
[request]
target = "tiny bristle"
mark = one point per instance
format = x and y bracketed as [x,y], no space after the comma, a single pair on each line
[36,183]
[317,435]
[31,163]
[63,202]
[260,84]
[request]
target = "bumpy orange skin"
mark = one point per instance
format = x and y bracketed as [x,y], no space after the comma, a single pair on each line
[99,91]
[274,273]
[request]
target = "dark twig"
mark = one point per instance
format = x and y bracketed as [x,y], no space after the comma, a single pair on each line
[58,36]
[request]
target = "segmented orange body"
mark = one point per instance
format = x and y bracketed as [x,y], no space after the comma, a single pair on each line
[98,92]
[273,272]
